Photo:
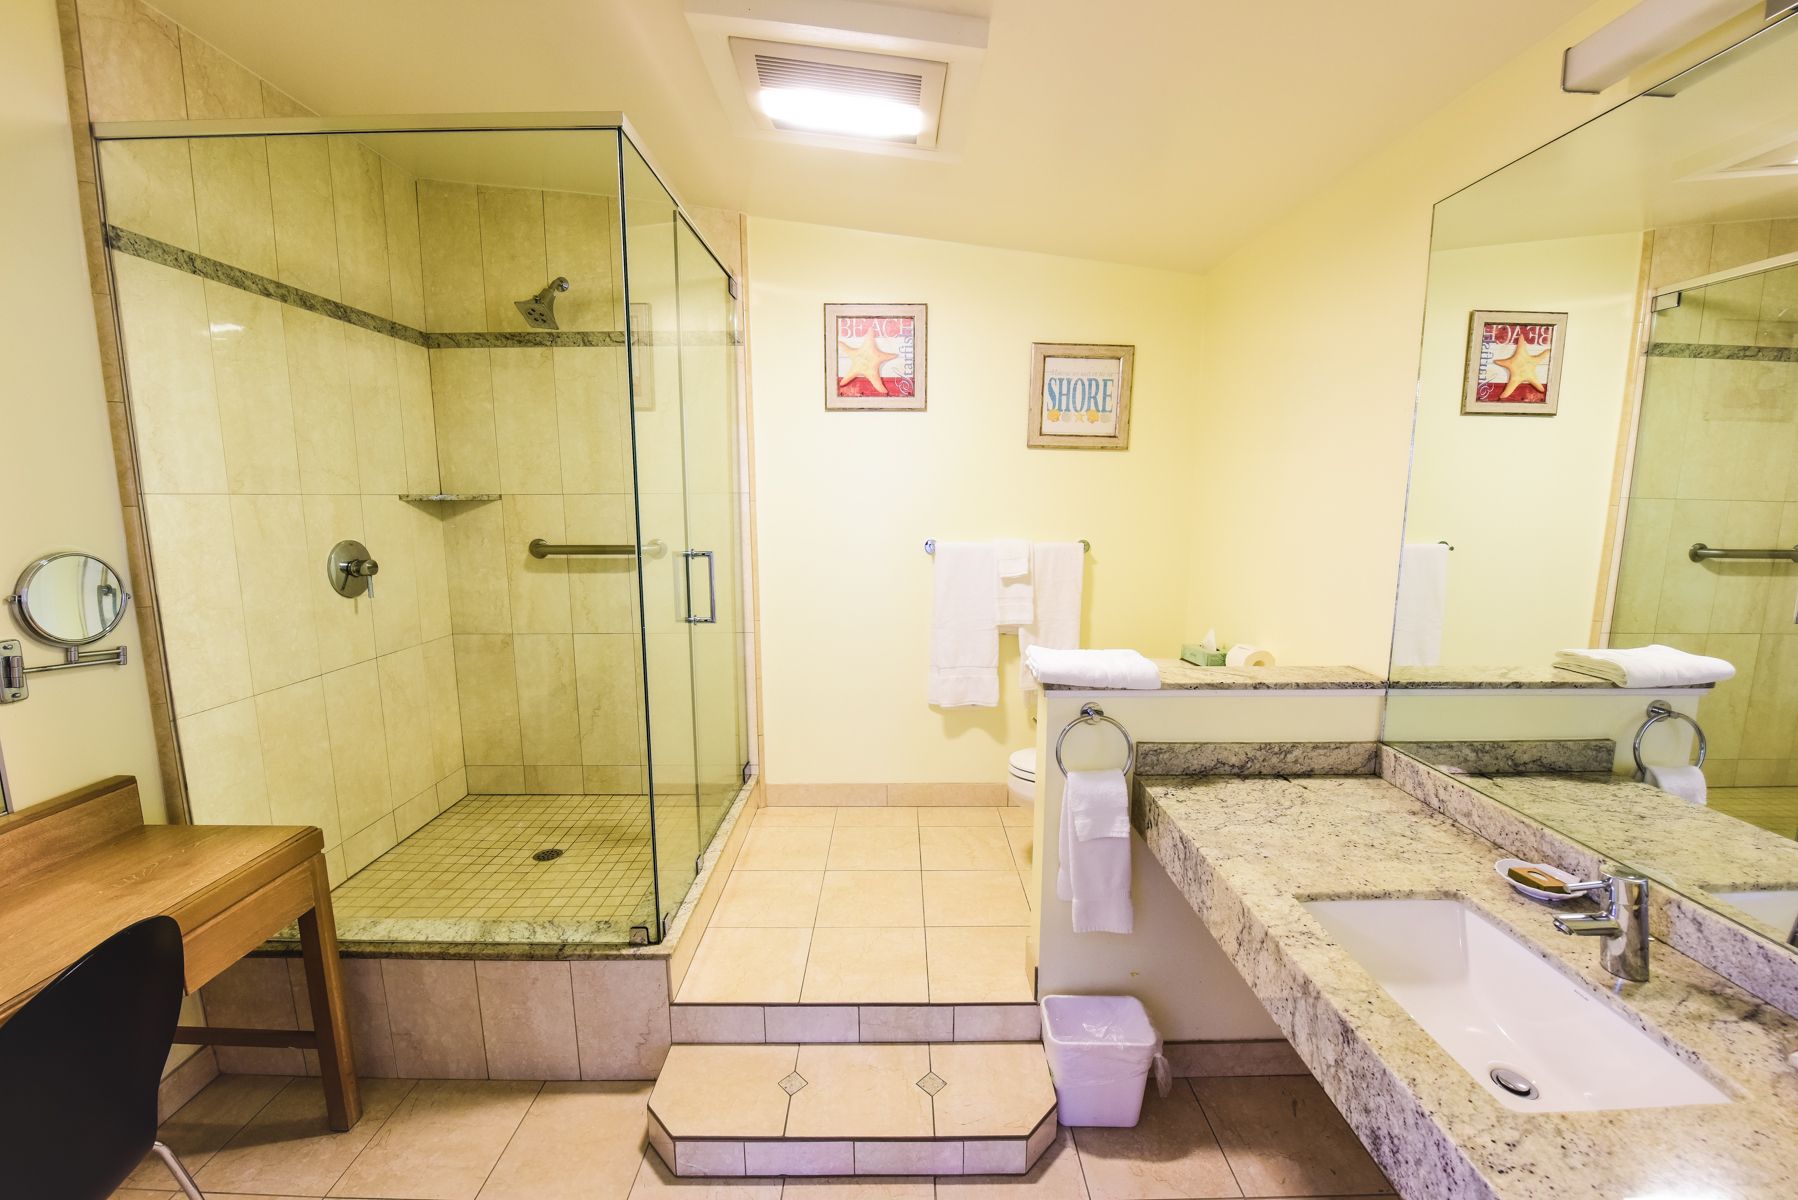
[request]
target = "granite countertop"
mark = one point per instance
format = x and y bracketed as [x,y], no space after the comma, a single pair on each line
[1244,852]
[1513,678]
[1179,675]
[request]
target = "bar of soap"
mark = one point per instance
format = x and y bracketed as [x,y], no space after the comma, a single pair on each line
[1542,881]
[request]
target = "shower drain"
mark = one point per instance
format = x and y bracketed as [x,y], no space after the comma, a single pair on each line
[549,855]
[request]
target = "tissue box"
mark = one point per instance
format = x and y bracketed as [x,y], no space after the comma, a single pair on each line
[1198,656]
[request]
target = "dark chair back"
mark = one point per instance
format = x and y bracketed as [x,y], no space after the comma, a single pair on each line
[80,1063]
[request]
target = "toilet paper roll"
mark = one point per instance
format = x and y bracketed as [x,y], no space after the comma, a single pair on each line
[1248,656]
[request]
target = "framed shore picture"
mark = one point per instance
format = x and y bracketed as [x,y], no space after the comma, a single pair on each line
[874,357]
[1080,396]
[1514,363]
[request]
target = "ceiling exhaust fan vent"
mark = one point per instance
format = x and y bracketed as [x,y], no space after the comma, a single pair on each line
[819,92]
[773,70]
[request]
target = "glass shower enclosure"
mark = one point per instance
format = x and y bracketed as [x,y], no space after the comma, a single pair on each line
[435,426]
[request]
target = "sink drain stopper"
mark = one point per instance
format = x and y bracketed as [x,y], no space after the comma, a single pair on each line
[1514,1082]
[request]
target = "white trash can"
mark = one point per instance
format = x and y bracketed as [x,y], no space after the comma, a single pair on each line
[1100,1050]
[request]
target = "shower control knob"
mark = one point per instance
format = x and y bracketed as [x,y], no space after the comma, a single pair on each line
[350,570]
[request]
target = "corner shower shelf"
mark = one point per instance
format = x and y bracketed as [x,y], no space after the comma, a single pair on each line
[448,497]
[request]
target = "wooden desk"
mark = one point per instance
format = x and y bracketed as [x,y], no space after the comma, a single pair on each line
[79,868]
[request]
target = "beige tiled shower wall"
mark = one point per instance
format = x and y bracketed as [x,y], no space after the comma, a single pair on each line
[547,655]
[1717,462]
[265,434]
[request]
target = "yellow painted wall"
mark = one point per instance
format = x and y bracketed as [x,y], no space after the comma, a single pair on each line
[1311,332]
[58,490]
[1523,498]
[845,500]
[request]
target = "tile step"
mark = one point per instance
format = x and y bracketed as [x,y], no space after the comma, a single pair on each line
[903,1108]
[737,1024]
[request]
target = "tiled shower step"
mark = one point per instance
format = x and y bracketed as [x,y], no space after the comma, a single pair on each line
[945,1108]
[810,1023]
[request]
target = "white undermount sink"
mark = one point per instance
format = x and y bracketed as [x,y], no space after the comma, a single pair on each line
[1500,1010]
[1775,907]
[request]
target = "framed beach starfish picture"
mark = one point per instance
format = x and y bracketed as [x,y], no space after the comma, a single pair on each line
[1514,363]
[874,357]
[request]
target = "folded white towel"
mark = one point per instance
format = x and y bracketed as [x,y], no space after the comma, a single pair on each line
[1094,873]
[1422,599]
[1685,782]
[1092,668]
[964,626]
[1646,666]
[1016,590]
[1057,571]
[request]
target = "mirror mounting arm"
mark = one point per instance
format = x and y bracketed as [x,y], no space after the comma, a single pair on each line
[13,685]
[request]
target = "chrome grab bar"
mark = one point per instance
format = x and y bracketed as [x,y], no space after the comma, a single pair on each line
[650,549]
[1660,710]
[1703,553]
[1092,714]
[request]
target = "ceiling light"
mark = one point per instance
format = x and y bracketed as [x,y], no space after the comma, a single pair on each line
[825,110]
[1650,30]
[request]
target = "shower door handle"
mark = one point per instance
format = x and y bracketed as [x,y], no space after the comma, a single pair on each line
[711,585]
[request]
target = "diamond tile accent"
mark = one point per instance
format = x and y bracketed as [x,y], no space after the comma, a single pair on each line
[792,1083]
[933,1083]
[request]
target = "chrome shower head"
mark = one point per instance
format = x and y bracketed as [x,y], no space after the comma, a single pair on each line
[540,310]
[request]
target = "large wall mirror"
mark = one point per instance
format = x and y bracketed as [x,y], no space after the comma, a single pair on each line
[1609,378]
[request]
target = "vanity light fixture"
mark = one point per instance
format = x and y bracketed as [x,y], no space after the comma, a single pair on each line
[1646,32]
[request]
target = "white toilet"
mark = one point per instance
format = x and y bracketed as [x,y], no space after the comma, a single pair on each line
[1021,778]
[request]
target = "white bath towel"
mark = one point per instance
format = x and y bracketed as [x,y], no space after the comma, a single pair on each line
[964,626]
[1057,571]
[1422,599]
[1685,782]
[1094,873]
[1092,668]
[1647,666]
[1016,587]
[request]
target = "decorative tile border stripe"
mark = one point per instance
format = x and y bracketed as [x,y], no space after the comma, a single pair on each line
[1778,354]
[162,253]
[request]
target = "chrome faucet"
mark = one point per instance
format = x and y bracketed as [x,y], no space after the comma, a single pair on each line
[1623,924]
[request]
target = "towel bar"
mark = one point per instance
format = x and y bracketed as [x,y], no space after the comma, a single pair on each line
[1660,710]
[930,545]
[1092,714]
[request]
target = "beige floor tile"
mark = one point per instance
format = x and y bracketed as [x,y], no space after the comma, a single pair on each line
[871,898]
[795,816]
[991,1089]
[747,966]
[865,1187]
[866,966]
[578,1141]
[958,848]
[288,1148]
[974,898]
[775,848]
[1283,1137]
[768,900]
[205,1123]
[861,1092]
[878,849]
[441,1142]
[141,1194]
[1170,1153]
[953,814]
[1016,816]
[723,1091]
[978,966]
[896,817]
[1056,1176]
[654,1179]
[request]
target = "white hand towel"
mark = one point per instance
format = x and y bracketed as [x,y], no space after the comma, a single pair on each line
[1685,782]
[1092,668]
[1094,873]
[964,626]
[1647,666]
[1016,590]
[1057,571]
[1422,599]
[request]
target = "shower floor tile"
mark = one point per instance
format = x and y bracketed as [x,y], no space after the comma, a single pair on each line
[470,875]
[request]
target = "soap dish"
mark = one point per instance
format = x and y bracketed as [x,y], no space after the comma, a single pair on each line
[1504,865]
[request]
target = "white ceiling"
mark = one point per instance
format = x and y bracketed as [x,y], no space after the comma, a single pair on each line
[1160,132]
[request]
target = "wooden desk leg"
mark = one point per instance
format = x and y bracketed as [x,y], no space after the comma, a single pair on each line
[324,985]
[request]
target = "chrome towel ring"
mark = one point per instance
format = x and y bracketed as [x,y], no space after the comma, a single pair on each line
[1092,714]
[1660,710]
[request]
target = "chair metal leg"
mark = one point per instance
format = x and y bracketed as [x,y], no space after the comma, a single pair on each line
[188,1186]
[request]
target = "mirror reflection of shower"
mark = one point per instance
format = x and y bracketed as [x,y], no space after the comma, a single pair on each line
[540,310]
